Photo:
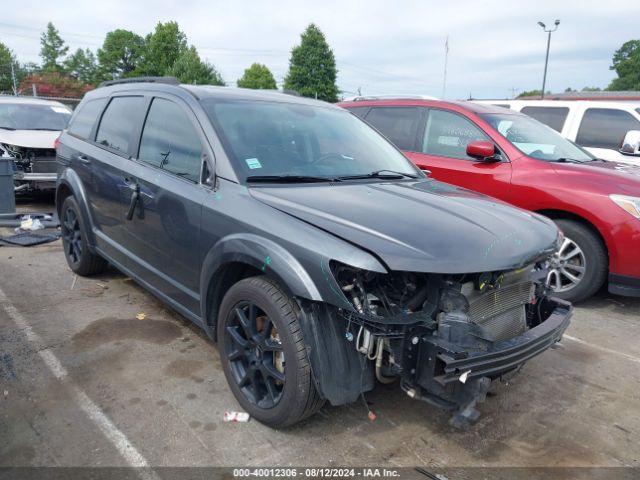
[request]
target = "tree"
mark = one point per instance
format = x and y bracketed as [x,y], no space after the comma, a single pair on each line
[121,54]
[189,68]
[312,67]
[257,76]
[163,48]
[54,84]
[532,93]
[626,63]
[591,89]
[82,66]
[7,61]
[52,49]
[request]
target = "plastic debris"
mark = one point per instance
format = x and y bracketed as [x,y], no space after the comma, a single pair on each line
[372,416]
[463,377]
[28,223]
[141,316]
[236,417]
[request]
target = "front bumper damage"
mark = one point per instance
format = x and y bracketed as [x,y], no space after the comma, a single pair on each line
[456,378]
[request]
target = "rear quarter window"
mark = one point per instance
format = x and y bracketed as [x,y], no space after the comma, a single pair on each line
[605,127]
[551,116]
[86,117]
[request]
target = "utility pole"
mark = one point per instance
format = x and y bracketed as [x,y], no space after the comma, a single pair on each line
[546,59]
[446,58]
[13,78]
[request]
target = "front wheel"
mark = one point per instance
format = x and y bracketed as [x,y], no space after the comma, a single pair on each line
[579,268]
[263,354]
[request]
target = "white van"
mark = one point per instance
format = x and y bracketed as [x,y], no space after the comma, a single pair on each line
[597,125]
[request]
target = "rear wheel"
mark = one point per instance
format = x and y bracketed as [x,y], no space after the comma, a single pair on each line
[263,353]
[74,240]
[579,268]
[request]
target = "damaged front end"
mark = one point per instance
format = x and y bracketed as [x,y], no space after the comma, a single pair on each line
[446,337]
[35,168]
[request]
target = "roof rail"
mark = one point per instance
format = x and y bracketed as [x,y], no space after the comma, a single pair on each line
[363,98]
[165,80]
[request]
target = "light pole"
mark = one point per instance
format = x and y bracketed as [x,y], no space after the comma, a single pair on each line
[546,60]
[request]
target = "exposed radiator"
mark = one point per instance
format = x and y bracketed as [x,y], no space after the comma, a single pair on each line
[502,311]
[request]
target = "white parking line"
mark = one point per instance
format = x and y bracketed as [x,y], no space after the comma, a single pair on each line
[603,349]
[119,440]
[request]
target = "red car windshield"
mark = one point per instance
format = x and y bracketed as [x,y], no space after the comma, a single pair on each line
[535,139]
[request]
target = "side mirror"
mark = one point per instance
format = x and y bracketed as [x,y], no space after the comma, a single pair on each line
[482,150]
[631,143]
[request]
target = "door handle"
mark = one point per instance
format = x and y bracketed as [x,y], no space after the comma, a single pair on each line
[135,196]
[84,159]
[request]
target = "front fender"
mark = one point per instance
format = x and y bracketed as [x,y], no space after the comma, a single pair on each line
[262,254]
[69,180]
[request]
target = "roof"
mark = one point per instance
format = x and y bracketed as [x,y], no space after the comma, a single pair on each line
[29,101]
[465,105]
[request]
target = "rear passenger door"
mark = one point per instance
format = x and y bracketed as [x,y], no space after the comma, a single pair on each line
[602,130]
[163,229]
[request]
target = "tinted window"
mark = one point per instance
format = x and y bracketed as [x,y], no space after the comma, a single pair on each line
[119,121]
[605,127]
[552,116]
[169,140]
[359,111]
[447,135]
[86,117]
[398,124]
[278,138]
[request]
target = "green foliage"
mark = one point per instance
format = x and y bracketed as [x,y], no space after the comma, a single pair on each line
[312,67]
[7,59]
[163,48]
[121,54]
[54,84]
[626,63]
[52,49]
[591,89]
[532,93]
[82,66]
[189,68]
[257,76]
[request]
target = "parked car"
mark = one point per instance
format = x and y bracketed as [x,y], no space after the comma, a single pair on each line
[519,160]
[601,127]
[308,246]
[28,129]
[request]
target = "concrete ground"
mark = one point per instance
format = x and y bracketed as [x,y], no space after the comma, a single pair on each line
[84,382]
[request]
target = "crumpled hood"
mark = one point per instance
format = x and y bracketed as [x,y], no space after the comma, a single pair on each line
[423,226]
[29,138]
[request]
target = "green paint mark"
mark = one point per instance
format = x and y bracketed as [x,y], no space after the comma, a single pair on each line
[267,262]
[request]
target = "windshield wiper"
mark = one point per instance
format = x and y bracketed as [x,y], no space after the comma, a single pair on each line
[567,160]
[45,129]
[289,179]
[385,174]
[7,128]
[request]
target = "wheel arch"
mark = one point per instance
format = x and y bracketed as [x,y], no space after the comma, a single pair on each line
[69,184]
[239,256]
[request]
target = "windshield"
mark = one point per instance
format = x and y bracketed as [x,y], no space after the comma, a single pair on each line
[278,139]
[535,139]
[20,116]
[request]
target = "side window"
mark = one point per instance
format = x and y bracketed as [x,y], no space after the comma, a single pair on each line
[605,127]
[551,116]
[447,135]
[169,140]
[359,111]
[87,115]
[398,124]
[118,122]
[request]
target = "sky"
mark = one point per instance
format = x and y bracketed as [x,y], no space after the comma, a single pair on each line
[496,48]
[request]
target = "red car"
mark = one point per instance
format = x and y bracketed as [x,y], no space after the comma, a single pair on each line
[519,160]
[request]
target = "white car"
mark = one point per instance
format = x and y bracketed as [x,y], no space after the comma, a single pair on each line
[601,127]
[29,128]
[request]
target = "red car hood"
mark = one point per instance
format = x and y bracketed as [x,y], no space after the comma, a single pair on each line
[608,177]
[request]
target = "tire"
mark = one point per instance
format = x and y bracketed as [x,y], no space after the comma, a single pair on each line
[593,254]
[74,240]
[281,390]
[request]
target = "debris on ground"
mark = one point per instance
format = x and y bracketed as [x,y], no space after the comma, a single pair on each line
[141,316]
[236,417]
[28,239]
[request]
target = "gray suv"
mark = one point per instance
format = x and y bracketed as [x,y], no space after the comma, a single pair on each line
[318,257]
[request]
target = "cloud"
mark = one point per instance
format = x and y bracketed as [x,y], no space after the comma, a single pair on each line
[380,46]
